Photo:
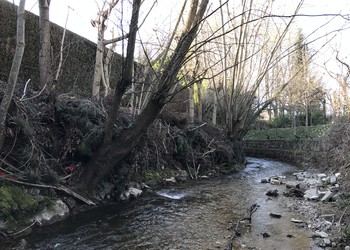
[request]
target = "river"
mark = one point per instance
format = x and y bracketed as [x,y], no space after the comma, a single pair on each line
[196,215]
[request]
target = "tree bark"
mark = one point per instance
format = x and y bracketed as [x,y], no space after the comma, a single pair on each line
[127,72]
[191,104]
[16,64]
[45,44]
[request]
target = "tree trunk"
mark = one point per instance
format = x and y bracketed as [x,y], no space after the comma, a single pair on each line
[191,104]
[215,110]
[98,70]
[111,152]
[16,64]
[44,53]
[200,101]
[127,72]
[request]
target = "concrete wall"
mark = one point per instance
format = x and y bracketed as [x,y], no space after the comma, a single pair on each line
[79,53]
[299,152]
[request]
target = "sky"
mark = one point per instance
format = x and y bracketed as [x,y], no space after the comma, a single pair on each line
[81,12]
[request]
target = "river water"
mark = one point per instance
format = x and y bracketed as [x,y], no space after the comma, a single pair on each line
[196,215]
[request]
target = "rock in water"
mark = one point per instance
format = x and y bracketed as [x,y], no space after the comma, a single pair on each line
[273,193]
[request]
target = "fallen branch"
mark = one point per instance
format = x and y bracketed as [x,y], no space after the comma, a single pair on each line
[24,229]
[252,209]
[197,127]
[60,188]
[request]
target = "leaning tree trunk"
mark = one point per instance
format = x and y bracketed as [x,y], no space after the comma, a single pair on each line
[16,64]
[112,152]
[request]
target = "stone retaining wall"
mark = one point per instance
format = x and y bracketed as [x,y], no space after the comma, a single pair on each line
[299,152]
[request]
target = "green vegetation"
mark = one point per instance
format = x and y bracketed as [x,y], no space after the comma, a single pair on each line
[14,200]
[311,132]
[158,176]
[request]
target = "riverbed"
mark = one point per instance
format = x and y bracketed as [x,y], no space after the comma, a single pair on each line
[195,215]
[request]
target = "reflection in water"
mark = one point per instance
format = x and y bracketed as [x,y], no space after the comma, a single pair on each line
[191,216]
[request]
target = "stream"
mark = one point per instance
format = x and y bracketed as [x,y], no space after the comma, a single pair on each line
[195,215]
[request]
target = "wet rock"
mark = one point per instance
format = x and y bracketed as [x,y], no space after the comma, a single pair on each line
[273,193]
[300,176]
[273,215]
[292,184]
[294,192]
[320,176]
[204,177]
[313,182]
[57,212]
[265,235]
[130,193]
[327,242]
[321,234]
[264,181]
[296,221]
[327,196]
[332,179]
[275,181]
[311,194]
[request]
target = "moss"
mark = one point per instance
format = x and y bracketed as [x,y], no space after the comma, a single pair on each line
[152,176]
[158,176]
[15,201]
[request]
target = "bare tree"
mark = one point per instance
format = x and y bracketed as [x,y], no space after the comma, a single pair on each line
[16,64]
[101,25]
[243,59]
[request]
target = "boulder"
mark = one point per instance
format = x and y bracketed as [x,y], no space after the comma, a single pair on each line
[320,176]
[292,184]
[321,234]
[333,179]
[327,196]
[264,181]
[294,192]
[56,212]
[130,193]
[273,193]
[311,194]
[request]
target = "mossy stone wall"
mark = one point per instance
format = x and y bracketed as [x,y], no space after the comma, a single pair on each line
[299,152]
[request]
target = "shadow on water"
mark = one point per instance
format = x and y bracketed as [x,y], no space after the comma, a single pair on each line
[191,216]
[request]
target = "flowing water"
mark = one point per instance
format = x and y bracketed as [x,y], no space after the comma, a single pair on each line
[196,215]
